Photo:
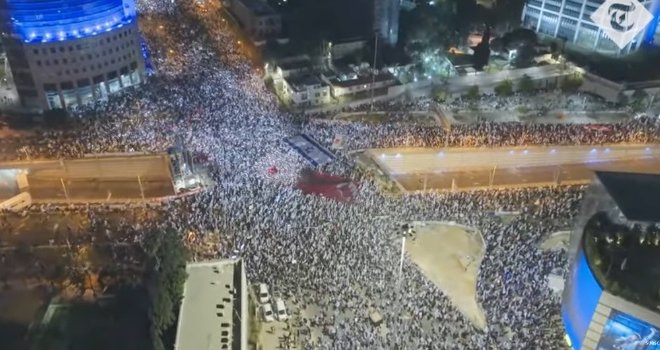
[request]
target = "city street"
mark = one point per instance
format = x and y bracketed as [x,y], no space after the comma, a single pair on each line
[461,169]
[104,178]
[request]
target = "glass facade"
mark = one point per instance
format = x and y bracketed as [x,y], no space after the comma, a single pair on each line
[570,20]
[59,20]
[580,300]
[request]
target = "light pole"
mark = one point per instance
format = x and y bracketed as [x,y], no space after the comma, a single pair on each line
[403,252]
[373,72]
[295,262]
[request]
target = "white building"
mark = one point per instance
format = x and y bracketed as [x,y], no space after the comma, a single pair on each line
[214,310]
[356,84]
[571,20]
[306,91]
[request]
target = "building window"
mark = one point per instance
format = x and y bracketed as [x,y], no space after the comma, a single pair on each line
[38,63]
[62,49]
[65,61]
[35,51]
[70,48]
[56,61]
[52,50]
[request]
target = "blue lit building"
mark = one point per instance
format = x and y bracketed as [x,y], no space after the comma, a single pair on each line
[570,20]
[612,295]
[65,53]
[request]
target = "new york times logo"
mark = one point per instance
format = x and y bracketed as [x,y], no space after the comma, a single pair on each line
[622,20]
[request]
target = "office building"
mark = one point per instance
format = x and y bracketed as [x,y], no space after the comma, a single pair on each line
[67,53]
[386,20]
[570,20]
[612,298]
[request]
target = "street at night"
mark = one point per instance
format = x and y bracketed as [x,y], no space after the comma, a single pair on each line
[144,192]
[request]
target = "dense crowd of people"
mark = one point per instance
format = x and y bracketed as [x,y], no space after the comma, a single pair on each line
[341,257]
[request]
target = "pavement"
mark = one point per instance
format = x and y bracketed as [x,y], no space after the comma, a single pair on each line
[449,256]
[421,169]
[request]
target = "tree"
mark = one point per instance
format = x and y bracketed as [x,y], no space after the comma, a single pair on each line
[505,88]
[472,93]
[526,85]
[482,51]
[439,94]
[638,103]
[571,84]
[166,266]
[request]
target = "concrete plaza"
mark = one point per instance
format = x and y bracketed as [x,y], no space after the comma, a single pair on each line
[449,255]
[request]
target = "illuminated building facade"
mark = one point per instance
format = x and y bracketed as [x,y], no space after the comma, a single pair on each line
[570,20]
[66,53]
[612,295]
[386,20]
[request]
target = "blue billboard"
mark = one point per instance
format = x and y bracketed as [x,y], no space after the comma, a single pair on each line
[580,300]
[624,332]
[59,20]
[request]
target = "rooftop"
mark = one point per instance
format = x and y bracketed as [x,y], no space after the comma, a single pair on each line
[459,59]
[258,7]
[298,82]
[303,62]
[363,80]
[207,308]
[636,195]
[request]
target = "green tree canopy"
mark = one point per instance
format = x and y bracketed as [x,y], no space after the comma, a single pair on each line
[505,88]
[166,258]
[571,84]
[473,93]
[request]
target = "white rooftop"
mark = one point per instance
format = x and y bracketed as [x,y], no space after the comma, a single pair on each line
[205,317]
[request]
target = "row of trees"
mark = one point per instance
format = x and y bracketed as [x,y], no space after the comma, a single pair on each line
[166,258]
[525,86]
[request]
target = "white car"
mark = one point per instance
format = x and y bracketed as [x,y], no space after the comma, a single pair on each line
[280,310]
[264,296]
[268,313]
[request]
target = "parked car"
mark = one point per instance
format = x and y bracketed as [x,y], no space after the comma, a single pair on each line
[268,313]
[264,296]
[280,310]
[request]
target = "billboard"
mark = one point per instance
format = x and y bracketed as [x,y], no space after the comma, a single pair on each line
[580,300]
[624,332]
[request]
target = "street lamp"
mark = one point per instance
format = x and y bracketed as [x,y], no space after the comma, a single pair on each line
[295,262]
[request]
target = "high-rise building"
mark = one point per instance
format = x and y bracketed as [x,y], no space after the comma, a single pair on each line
[386,20]
[612,294]
[570,20]
[65,53]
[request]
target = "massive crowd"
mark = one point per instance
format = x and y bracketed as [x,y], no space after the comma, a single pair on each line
[340,257]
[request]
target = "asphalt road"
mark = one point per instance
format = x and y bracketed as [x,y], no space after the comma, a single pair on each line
[105,179]
[44,189]
[432,169]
